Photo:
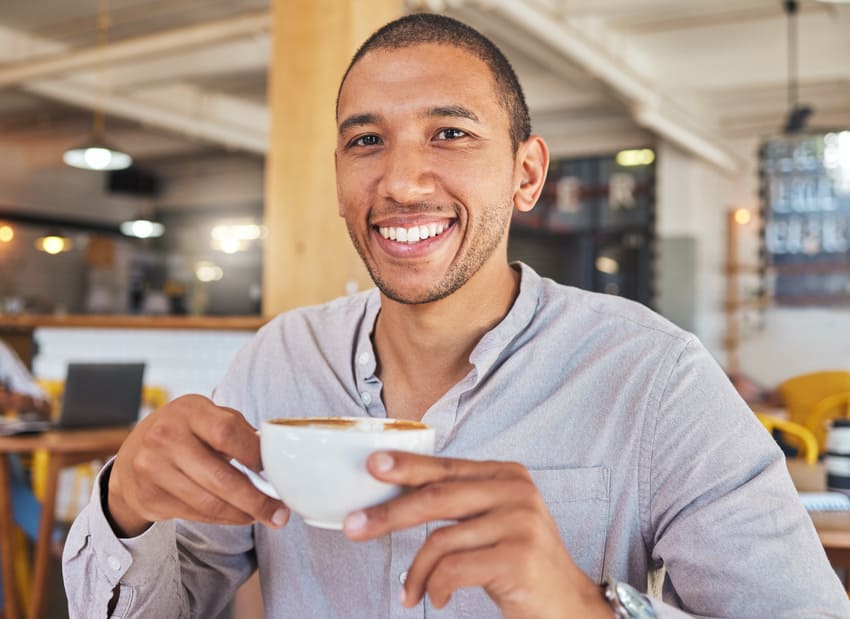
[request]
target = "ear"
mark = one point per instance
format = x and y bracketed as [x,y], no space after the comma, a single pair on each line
[532,164]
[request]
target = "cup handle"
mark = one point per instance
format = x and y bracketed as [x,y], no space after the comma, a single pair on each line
[258,479]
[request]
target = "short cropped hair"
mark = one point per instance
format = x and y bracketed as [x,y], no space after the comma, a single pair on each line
[419,28]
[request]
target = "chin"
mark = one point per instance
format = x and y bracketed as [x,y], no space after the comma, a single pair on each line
[418,295]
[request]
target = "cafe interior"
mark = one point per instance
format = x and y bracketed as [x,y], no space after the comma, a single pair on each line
[153,209]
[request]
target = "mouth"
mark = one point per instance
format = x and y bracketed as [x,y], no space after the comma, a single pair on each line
[413,234]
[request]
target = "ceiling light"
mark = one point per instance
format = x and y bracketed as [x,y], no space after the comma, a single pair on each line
[798,113]
[97,154]
[608,265]
[234,237]
[636,157]
[142,229]
[207,271]
[53,244]
[7,233]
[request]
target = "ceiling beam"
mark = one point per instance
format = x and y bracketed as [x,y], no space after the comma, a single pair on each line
[179,39]
[203,124]
[649,106]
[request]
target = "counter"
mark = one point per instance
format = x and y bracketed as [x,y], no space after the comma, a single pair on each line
[23,322]
[183,354]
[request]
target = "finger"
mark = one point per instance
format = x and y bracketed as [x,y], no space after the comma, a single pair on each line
[469,535]
[456,500]
[184,499]
[410,469]
[214,475]
[474,568]
[226,431]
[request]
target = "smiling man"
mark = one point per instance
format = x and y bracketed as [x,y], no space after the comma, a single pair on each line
[587,451]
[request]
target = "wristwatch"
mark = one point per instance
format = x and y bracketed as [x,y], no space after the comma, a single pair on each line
[626,601]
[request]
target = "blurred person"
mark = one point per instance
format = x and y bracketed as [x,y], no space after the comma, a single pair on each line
[19,391]
[587,450]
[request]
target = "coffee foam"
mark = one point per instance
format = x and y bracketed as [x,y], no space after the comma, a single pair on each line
[358,425]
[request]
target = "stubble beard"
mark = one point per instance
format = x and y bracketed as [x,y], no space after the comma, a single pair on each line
[486,237]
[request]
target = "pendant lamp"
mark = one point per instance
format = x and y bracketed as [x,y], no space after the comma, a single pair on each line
[798,113]
[97,153]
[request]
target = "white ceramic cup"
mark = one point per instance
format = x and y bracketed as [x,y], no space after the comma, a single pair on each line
[317,465]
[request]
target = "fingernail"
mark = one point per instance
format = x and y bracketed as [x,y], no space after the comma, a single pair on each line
[355,521]
[402,596]
[383,462]
[279,517]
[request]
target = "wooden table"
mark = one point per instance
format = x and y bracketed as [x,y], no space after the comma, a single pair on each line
[834,531]
[64,448]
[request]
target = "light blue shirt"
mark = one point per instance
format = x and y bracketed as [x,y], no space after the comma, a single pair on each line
[655,471]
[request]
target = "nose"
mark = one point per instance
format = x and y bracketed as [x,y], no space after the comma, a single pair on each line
[407,176]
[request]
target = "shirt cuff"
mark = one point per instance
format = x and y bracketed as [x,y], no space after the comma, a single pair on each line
[132,561]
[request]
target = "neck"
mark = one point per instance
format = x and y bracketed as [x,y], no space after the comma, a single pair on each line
[425,348]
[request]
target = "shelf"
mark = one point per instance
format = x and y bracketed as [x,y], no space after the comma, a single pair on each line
[219,323]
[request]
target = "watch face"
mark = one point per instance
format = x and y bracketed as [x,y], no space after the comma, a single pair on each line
[633,602]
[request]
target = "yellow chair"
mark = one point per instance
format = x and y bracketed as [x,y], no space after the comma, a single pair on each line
[805,437]
[835,406]
[153,397]
[800,394]
[53,389]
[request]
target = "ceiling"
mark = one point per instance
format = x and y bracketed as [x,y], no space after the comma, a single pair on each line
[187,78]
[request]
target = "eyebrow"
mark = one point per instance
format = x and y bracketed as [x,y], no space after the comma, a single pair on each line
[451,111]
[455,111]
[358,120]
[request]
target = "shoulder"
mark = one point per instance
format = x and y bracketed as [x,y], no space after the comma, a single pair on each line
[326,321]
[582,311]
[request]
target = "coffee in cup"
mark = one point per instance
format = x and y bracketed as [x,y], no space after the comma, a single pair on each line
[317,465]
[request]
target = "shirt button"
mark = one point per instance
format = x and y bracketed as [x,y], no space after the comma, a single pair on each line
[365,398]
[114,562]
[402,578]
[363,358]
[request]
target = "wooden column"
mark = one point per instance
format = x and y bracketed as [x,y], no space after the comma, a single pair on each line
[308,255]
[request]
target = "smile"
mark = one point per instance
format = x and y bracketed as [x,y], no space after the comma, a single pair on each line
[414,234]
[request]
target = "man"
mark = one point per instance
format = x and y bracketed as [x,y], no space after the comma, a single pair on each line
[580,438]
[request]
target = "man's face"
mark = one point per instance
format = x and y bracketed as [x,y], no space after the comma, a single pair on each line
[425,169]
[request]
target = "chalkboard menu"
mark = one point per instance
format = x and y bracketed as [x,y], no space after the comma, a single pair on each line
[805,189]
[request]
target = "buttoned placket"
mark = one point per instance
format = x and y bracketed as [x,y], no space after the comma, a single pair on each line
[368,384]
[404,546]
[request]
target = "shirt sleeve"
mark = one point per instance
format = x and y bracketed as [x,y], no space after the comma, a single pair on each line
[174,569]
[721,513]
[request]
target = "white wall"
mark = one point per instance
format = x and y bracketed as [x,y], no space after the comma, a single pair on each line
[776,343]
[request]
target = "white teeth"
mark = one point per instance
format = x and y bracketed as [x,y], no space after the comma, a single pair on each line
[413,234]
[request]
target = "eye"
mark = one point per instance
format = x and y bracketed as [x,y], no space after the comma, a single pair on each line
[369,139]
[451,134]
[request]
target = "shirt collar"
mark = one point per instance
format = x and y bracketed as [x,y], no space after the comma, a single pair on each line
[494,342]
[488,349]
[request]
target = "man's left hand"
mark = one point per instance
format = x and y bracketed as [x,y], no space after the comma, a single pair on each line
[504,539]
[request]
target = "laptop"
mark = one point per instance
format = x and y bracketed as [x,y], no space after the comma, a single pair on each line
[96,395]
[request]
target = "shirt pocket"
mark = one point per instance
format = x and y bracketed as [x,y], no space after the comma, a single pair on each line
[578,500]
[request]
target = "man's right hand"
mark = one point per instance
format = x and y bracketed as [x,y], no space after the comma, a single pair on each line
[174,464]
